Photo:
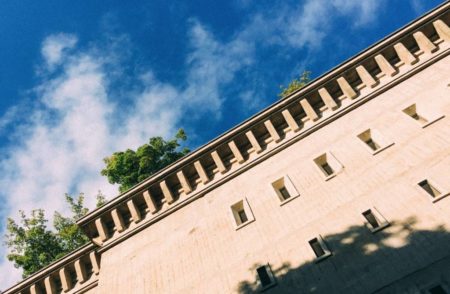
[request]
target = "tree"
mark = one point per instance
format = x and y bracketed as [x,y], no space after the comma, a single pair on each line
[32,245]
[295,84]
[131,167]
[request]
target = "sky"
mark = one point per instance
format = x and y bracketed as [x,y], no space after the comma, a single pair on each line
[80,80]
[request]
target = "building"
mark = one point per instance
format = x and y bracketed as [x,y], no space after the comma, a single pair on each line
[339,188]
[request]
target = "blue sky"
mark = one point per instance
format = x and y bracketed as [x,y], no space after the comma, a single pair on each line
[82,79]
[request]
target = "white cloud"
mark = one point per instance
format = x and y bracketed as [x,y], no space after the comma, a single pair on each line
[55,46]
[77,122]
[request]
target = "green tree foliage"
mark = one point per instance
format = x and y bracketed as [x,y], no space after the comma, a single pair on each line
[131,167]
[32,245]
[295,84]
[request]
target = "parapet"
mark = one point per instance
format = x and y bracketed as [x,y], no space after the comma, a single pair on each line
[327,98]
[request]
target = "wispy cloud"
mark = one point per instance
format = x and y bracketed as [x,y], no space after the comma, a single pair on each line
[75,119]
[55,46]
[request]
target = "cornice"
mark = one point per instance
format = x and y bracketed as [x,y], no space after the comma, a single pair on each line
[37,280]
[288,120]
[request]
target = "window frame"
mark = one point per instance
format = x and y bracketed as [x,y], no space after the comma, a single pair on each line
[382,222]
[269,272]
[331,161]
[236,208]
[286,183]
[444,192]
[377,138]
[323,246]
[431,116]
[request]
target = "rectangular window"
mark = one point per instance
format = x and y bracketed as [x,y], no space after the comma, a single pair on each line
[316,247]
[374,141]
[242,216]
[412,112]
[433,190]
[328,165]
[241,213]
[284,193]
[319,248]
[430,189]
[285,189]
[424,117]
[374,220]
[370,217]
[265,277]
[438,289]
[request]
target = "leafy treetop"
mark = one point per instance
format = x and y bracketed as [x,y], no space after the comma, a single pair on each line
[32,245]
[295,84]
[131,167]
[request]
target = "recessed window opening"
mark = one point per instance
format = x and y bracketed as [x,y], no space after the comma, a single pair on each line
[328,164]
[284,193]
[327,168]
[429,188]
[242,216]
[412,112]
[241,213]
[317,247]
[437,290]
[367,138]
[285,189]
[371,218]
[263,276]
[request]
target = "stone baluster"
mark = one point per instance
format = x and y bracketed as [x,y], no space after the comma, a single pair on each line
[404,54]
[80,270]
[34,289]
[50,287]
[168,195]
[293,125]
[218,161]
[385,66]
[94,262]
[134,211]
[346,88]
[236,152]
[118,220]
[150,201]
[327,99]
[442,29]
[309,110]
[366,77]
[201,172]
[424,43]
[184,182]
[101,229]
[66,281]
[255,144]
[272,131]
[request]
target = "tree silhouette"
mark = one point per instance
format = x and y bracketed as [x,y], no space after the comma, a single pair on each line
[363,262]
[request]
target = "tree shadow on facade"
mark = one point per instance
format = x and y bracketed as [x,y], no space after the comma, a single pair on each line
[364,262]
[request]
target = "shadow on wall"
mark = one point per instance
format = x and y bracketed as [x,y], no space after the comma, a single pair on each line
[363,262]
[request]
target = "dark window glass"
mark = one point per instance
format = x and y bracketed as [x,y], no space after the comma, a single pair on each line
[372,144]
[429,188]
[437,290]
[419,118]
[316,247]
[242,216]
[370,217]
[284,193]
[327,168]
[263,276]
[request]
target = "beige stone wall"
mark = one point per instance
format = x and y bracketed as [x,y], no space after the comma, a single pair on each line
[198,250]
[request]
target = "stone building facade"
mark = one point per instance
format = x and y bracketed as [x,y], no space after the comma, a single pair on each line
[339,188]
